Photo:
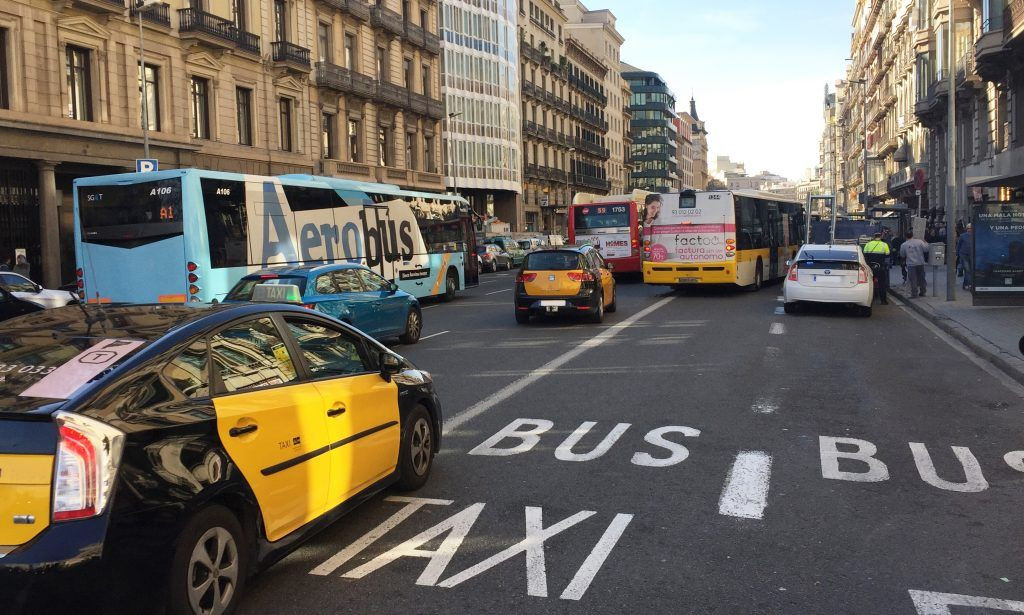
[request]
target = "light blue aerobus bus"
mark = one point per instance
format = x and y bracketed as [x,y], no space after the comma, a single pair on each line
[188,235]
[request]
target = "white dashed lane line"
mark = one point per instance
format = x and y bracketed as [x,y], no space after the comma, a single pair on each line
[777,329]
[746,488]
[504,290]
[427,337]
[780,310]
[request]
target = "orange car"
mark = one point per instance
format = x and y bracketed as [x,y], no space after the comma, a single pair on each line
[565,280]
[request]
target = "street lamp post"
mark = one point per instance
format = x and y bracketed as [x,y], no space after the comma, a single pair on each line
[568,188]
[951,161]
[451,149]
[140,7]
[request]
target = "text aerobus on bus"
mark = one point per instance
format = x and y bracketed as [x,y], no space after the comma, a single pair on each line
[190,234]
[720,237]
[612,224]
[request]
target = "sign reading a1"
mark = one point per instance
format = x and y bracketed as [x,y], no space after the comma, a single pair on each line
[146,165]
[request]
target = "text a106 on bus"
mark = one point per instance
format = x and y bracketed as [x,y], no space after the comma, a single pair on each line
[189,235]
[743,238]
[612,224]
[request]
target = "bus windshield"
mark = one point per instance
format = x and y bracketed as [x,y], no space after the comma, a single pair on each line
[600,216]
[130,215]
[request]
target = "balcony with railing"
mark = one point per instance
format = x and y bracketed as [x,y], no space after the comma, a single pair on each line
[333,77]
[435,108]
[966,76]
[591,181]
[418,103]
[588,89]
[414,34]
[392,94]
[101,6]
[159,13]
[386,19]
[356,8]
[214,31]
[363,86]
[1013,19]
[289,56]
[431,42]
[592,119]
[929,105]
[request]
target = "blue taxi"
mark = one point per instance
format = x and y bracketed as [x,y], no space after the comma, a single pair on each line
[349,292]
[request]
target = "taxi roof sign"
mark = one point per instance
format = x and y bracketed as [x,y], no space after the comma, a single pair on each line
[276,293]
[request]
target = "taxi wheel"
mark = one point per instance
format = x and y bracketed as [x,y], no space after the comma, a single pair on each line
[413,327]
[598,316]
[614,305]
[522,318]
[451,284]
[417,455]
[210,565]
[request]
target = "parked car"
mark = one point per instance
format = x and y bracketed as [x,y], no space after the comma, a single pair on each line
[24,288]
[829,274]
[349,292]
[530,244]
[493,258]
[160,455]
[569,280]
[11,306]
[510,246]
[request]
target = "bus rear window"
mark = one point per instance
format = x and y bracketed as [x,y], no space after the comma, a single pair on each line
[130,215]
[600,216]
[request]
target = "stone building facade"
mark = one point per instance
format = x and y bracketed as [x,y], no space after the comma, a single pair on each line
[333,87]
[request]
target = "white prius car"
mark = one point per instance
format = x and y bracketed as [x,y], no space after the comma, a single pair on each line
[24,288]
[829,274]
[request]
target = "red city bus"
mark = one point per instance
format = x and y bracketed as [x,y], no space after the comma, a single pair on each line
[613,224]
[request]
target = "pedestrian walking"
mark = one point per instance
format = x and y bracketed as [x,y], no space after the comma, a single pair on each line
[964,245]
[21,266]
[914,252]
[876,253]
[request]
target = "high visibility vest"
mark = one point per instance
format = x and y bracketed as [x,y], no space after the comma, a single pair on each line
[876,246]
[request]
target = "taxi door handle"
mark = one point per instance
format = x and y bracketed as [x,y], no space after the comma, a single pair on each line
[234,432]
[336,411]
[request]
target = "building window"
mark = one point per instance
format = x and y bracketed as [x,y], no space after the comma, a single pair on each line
[5,95]
[323,35]
[200,90]
[243,109]
[407,72]
[280,20]
[151,117]
[425,76]
[79,96]
[350,51]
[383,149]
[238,14]
[382,64]
[428,155]
[410,150]
[354,154]
[405,10]
[424,19]
[284,106]
[327,139]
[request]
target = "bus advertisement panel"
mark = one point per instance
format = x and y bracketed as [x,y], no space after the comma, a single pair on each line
[719,237]
[612,225]
[189,235]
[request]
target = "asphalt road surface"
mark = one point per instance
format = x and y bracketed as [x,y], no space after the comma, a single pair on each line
[699,452]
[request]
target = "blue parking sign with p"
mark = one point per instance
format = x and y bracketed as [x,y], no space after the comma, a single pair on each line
[146,165]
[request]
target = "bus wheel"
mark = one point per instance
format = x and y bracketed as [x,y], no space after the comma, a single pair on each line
[758,277]
[451,284]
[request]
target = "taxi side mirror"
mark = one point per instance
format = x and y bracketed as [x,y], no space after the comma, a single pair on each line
[789,263]
[393,287]
[610,267]
[390,365]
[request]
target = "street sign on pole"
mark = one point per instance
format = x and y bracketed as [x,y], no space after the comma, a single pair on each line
[146,165]
[919,179]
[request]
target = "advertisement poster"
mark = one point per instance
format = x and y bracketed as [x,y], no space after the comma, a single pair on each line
[999,252]
[692,231]
[611,245]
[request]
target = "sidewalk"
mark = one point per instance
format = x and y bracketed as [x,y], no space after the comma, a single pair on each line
[991,332]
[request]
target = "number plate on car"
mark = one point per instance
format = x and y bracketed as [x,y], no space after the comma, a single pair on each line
[687,280]
[552,303]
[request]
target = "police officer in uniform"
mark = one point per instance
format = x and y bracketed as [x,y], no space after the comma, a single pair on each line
[876,252]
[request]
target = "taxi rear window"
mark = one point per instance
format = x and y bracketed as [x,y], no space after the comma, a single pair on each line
[553,261]
[55,368]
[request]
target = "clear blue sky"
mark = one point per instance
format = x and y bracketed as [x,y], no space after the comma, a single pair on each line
[757,68]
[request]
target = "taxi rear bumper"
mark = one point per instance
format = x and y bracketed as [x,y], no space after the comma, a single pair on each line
[557,304]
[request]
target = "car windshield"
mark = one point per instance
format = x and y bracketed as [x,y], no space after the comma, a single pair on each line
[481,249]
[243,290]
[553,261]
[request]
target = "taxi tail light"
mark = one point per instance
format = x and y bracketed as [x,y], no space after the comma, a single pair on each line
[88,455]
[580,276]
[525,278]
[862,275]
[792,273]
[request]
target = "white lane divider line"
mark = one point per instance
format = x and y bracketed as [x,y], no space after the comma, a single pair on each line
[427,337]
[777,329]
[746,487]
[430,307]
[765,405]
[937,603]
[780,310]
[780,298]
[504,290]
[548,368]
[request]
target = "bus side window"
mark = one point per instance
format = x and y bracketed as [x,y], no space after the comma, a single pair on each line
[226,222]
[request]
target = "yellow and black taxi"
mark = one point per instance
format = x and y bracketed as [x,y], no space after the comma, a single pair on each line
[565,280]
[153,458]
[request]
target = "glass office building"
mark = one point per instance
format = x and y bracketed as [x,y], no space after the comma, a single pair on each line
[480,86]
[654,133]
